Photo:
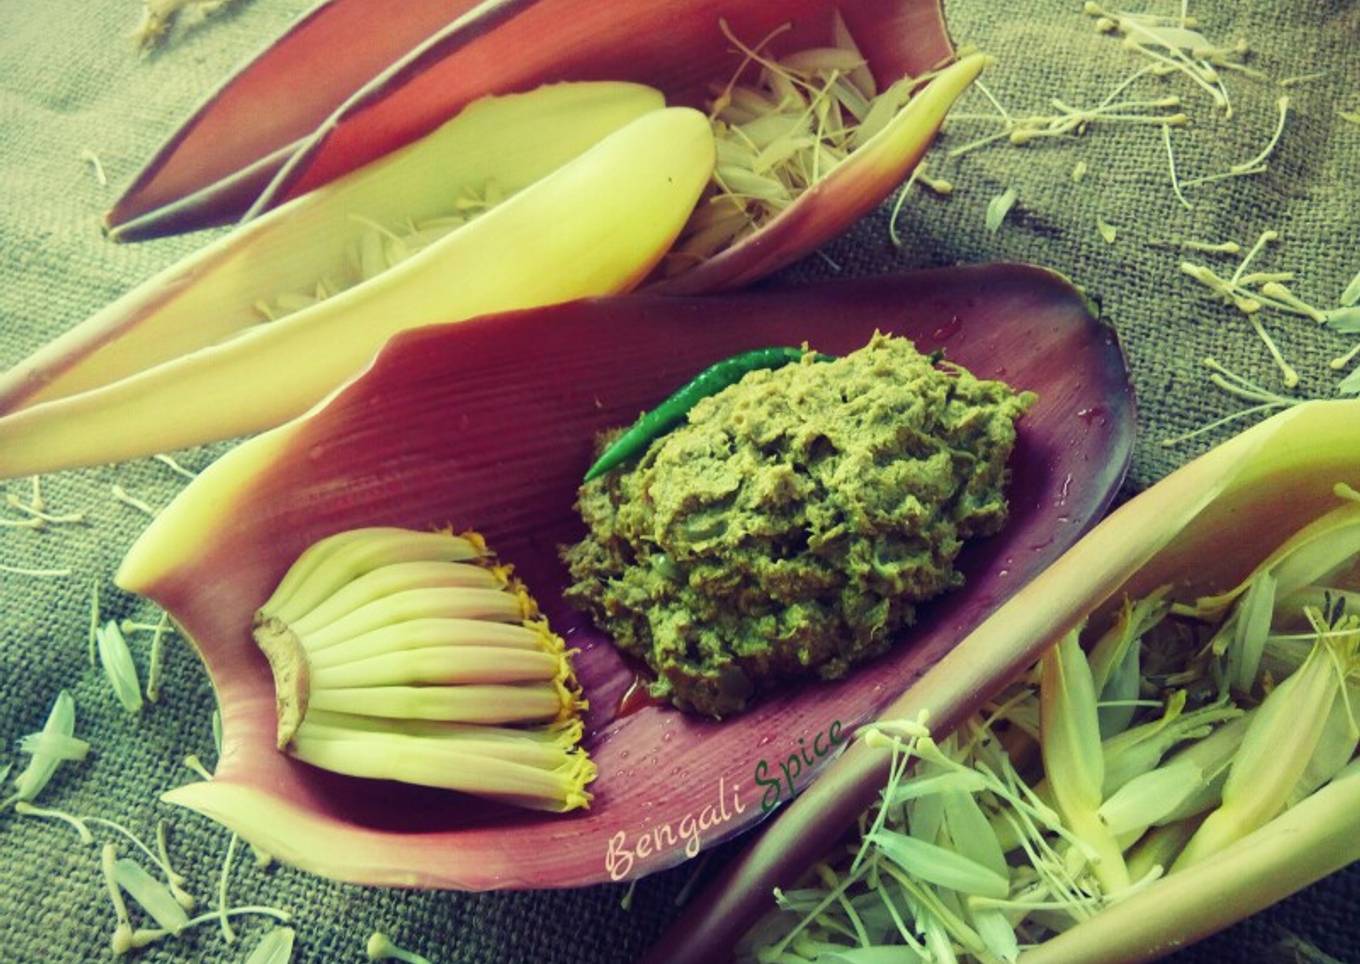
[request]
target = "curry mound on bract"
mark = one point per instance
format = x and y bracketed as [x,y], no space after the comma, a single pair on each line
[790,527]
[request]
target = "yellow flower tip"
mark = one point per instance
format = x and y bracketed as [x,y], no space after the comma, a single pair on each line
[571,702]
[549,641]
[582,768]
[475,538]
[830,880]
[579,799]
[503,572]
[527,605]
[566,733]
[565,674]
[889,733]
[578,772]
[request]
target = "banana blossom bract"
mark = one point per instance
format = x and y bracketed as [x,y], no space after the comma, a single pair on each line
[1201,530]
[298,116]
[187,359]
[451,428]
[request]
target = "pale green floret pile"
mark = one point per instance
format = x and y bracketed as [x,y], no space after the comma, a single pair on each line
[1121,757]
[410,656]
[782,124]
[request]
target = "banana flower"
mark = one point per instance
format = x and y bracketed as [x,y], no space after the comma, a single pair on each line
[450,429]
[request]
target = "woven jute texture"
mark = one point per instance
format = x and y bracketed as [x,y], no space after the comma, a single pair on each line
[70,83]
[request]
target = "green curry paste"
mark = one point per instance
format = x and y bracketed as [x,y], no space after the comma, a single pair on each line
[792,525]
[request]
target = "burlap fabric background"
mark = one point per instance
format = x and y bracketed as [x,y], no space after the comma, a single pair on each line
[69,81]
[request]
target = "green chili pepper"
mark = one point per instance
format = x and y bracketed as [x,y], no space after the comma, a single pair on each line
[672,411]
